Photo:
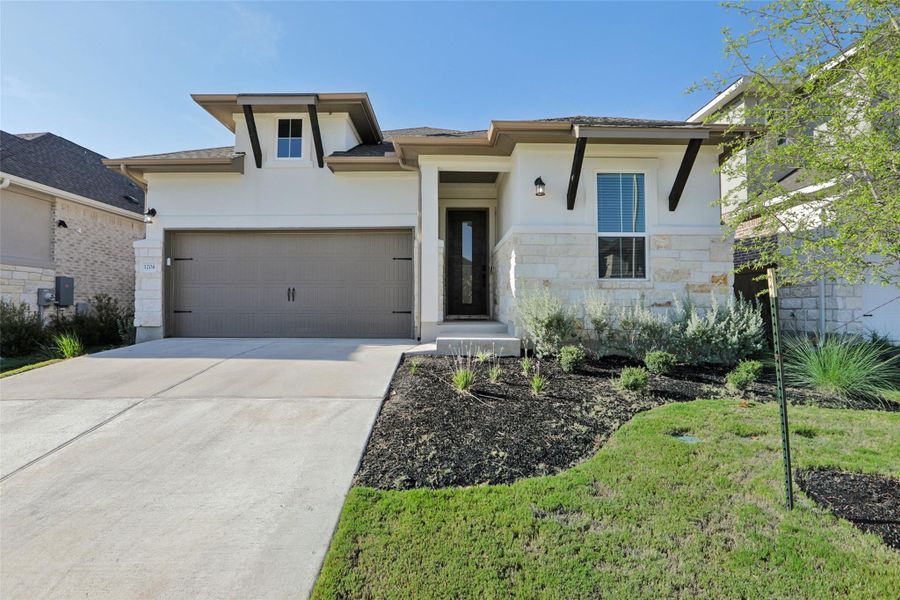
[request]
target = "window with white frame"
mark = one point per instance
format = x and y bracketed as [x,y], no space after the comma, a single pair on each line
[621,230]
[290,138]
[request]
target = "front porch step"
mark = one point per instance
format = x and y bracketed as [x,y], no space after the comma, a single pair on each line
[464,327]
[500,344]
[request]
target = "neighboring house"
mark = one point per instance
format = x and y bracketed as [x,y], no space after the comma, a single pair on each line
[63,214]
[318,223]
[821,306]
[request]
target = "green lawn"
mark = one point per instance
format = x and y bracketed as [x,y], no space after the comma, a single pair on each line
[20,364]
[648,517]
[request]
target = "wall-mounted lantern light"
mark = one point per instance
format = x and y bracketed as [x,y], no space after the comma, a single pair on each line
[148,216]
[539,187]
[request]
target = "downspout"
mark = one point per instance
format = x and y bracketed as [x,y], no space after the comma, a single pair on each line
[418,249]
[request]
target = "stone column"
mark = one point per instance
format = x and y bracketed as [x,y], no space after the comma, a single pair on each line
[148,289]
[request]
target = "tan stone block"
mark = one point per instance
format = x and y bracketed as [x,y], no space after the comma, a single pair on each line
[698,288]
[660,242]
[671,274]
[719,279]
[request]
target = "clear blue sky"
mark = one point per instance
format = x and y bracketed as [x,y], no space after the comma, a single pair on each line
[116,76]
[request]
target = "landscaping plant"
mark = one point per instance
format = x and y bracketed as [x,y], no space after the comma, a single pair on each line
[571,358]
[719,334]
[526,365]
[598,314]
[463,372]
[633,379]
[68,345]
[659,362]
[538,382]
[106,323]
[21,330]
[639,330]
[547,321]
[414,365]
[494,371]
[745,374]
[845,366]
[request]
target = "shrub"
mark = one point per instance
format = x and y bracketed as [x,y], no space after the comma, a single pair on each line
[21,330]
[105,324]
[598,314]
[633,379]
[571,358]
[68,345]
[639,330]
[722,335]
[847,367]
[743,376]
[659,362]
[548,323]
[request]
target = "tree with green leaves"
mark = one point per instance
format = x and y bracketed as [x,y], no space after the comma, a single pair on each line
[822,84]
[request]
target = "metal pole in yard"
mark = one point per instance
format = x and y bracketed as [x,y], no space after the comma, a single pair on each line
[779,377]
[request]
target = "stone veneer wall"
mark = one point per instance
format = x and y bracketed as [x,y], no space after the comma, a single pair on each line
[148,274]
[96,249]
[568,264]
[20,284]
[799,308]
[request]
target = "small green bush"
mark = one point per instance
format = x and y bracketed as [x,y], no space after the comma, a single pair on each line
[745,374]
[21,330]
[848,367]
[719,334]
[633,379]
[547,321]
[659,362]
[639,330]
[105,324]
[414,365]
[598,314]
[68,345]
[571,358]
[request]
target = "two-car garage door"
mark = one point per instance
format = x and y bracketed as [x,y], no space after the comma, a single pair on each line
[291,284]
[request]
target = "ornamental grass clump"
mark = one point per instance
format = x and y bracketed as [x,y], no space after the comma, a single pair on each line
[633,379]
[538,382]
[68,345]
[745,374]
[659,362]
[844,366]
[463,372]
[526,364]
[571,358]
[547,321]
[414,365]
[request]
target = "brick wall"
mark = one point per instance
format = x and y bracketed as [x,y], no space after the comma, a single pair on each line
[567,263]
[96,249]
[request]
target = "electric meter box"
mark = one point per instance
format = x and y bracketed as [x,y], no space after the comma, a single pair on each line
[65,291]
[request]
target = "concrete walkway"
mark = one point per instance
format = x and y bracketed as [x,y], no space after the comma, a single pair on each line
[183,468]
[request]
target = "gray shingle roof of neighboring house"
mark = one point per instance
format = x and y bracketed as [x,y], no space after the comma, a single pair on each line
[618,121]
[432,132]
[54,161]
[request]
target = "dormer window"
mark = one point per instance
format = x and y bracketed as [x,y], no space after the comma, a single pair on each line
[290,138]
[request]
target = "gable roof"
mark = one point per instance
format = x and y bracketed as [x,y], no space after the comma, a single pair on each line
[56,162]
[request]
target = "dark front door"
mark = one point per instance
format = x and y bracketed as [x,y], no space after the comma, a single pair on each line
[467,263]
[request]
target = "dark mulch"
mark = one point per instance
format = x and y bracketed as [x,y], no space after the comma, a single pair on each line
[870,502]
[430,435]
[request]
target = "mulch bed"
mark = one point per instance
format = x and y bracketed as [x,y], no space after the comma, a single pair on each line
[429,435]
[870,502]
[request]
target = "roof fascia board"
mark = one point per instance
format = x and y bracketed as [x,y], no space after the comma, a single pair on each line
[277,99]
[46,189]
[499,164]
[720,100]
[639,133]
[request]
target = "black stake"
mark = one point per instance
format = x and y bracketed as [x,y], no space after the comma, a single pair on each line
[782,403]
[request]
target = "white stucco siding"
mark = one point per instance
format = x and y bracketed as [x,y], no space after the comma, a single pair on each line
[553,163]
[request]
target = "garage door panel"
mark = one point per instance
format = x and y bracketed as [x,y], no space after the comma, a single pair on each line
[346,284]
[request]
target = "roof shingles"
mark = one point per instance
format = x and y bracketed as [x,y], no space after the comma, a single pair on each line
[58,163]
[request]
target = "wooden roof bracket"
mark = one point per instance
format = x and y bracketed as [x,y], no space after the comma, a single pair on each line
[684,171]
[254,135]
[575,176]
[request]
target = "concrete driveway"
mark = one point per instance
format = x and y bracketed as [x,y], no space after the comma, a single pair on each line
[183,468]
